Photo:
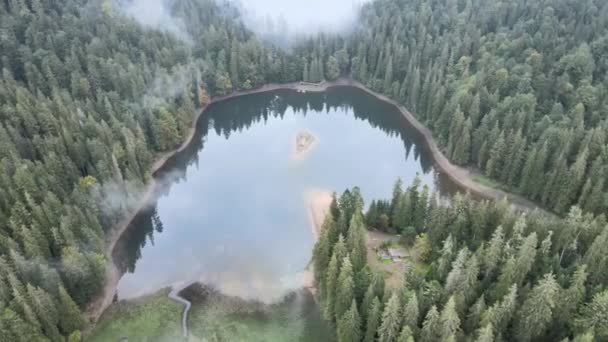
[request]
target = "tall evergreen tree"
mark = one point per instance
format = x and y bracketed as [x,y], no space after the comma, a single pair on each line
[373,321]
[391,320]
[349,326]
[537,310]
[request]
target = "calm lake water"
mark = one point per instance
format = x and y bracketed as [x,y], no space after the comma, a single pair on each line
[232,212]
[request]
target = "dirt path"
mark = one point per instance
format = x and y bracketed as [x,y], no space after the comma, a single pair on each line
[459,175]
[174,295]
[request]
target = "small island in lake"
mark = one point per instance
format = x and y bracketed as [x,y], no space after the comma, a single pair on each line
[304,143]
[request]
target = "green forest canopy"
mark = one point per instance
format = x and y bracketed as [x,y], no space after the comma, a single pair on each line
[493,274]
[517,88]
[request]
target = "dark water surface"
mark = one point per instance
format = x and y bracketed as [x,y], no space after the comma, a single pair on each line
[232,210]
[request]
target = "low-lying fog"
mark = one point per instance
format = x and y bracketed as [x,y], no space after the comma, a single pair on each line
[278,20]
[300,17]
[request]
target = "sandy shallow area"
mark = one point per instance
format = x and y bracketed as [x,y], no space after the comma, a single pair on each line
[318,202]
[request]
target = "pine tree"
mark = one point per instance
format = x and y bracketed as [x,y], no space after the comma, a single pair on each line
[333,69]
[203,97]
[495,164]
[397,192]
[349,326]
[456,278]
[46,311]
[462,150]
[357,241]
[422,248]
[475,313]
[500,314]
[485,334]
[594,316]
[420,211]
[14,328]
[305,73]
[166,134]
[493,253]
[455,131]
[570,298]
[373,320]
[474,110]
[388,76]
[449,321]
[537,310]
[345,293]
[445,260]
[411,312]
[431,326]
[406,335]
[331,288]
[391,320]
[234,63]
[516,268]
[322,251]
[70,318]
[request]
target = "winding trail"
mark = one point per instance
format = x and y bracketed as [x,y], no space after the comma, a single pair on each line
[174,295]
[459,175]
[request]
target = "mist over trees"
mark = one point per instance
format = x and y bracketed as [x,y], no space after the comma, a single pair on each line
[89,97]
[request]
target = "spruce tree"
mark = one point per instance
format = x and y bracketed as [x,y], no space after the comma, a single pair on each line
[373,320]
[333,69]
[349,326]
[594,316]
[357,241]
[485,334]
[406,335]
[331,284]
[475,313]
[537,310]
[411,312]
[345,292]
[391,320]
[70,318]
[322,252]
[449,321]
[500,314]
[431,326]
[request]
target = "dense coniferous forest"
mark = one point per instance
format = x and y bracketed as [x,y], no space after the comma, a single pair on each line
[482,271]
[89,98]
[517,88]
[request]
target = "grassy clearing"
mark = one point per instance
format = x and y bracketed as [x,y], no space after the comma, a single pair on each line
[218,326]
[386,261]
[483,180]
[223,319]
[150,318]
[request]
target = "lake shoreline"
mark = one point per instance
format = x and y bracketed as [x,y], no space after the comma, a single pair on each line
[99,304]
[463,177]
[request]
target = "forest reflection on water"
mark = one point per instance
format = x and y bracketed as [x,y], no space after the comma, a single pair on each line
[230,210]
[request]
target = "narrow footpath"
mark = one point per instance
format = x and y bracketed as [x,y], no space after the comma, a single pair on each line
[174,295]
